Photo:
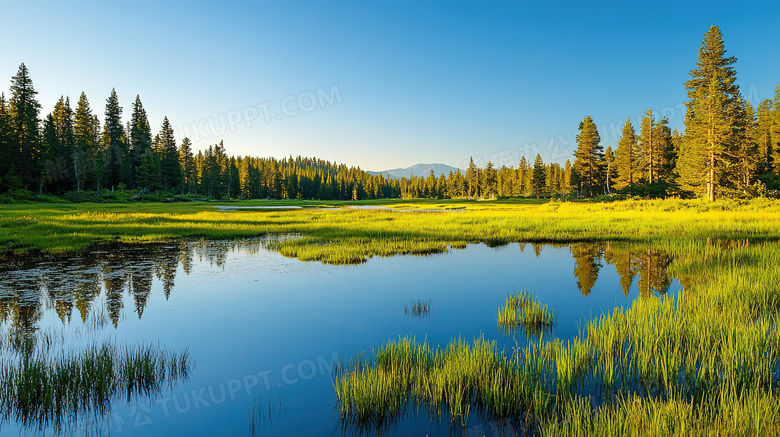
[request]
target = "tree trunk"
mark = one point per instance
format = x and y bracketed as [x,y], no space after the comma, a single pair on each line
[711,179]
[76,171]
[651,153]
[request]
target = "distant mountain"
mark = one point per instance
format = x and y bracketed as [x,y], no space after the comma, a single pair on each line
[418,170]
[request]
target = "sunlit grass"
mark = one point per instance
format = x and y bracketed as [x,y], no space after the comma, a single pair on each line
[523,310]
[705,363]
[348,236]
[44,386]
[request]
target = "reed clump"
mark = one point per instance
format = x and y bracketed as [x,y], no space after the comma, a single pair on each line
[705,362]
[418,308]
[44,389]
[522,309]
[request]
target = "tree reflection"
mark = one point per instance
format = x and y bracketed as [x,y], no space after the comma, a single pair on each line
[587,257]
[651,265]
[31,285]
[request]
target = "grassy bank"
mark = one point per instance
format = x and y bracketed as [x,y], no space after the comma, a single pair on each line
[704,364]
[707,363]
[350,235]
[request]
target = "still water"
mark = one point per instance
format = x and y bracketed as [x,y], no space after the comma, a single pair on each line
[265,330]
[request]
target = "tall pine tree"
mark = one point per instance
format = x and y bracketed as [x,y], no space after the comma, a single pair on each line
[115,149]
[7,152]
[170,171]
[87,148]
[140,135]
[187,165]
[648,154]
[25,139]
[588,158]
[763,136]
[712,92]
[65,155]
[538,177]
[625,157]
[775,131]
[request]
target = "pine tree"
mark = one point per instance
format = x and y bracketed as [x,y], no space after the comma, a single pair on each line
[538,177]
[86,148]
[115,150]
[430,186]
[711,92]
[742,152]
[488,186]
[471,179]
[244,178]
[625,158]
[147,173]
[763,136]
[140,135]
[187,165]
[775,133]
[522,170]
[65,156]
[567,176]
[441,187]
[667,150]
[233,184]
[50,143]
[7,153]
[648,155]
[588,157]
[170,170]
[609,169]
[25,140]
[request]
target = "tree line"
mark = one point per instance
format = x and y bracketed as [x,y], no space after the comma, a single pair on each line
[728,149]
[71,150]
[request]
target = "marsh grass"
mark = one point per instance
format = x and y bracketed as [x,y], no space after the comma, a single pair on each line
[419,308]
[263,414]
[46,386]
[523,310]
[704,363]
[350,236]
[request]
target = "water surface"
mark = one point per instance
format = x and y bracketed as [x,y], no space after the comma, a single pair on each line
[265,329]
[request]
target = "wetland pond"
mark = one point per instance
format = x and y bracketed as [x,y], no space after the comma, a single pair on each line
[263,332]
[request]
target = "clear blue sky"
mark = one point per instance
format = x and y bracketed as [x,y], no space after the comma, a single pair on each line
[394,82]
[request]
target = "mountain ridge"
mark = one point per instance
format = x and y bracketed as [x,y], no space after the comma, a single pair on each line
[420,169]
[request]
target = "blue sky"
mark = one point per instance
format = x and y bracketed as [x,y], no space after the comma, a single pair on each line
[384,84]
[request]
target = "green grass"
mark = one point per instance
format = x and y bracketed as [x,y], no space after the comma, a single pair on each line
[45,387]
[705,363]
[523,310]
[349,236]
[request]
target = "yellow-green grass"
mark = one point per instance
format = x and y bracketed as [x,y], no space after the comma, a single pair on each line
[706,363]
[46,387]
[523,310]
[349,235]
